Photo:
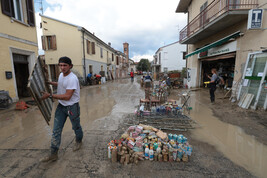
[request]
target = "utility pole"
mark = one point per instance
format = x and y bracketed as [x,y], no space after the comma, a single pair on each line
[41,6]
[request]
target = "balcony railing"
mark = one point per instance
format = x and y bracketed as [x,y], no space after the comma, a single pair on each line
[214,10]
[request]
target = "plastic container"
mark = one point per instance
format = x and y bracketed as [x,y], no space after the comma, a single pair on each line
[170,136]
[155,145]
[109,152]
[158,150]
[151,154]
[146,152]
[114,154]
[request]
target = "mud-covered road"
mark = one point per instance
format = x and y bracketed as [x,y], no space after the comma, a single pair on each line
[219,149]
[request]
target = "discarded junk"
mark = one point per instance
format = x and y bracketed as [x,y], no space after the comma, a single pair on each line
[144,142]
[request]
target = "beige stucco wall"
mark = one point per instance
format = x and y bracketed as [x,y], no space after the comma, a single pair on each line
[194,8]
[16,28]
[68,40]
[251,41]
[15,37]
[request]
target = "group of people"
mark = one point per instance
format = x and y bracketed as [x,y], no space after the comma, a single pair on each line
[93,79]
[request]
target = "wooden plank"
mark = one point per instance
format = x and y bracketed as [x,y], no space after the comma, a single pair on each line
[36,85]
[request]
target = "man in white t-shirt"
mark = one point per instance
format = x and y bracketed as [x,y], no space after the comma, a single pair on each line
[68,95]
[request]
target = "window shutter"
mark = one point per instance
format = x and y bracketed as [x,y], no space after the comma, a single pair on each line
[7,7]
[88,47]
[93,47]
[54,42]
[30,13]
[43,43]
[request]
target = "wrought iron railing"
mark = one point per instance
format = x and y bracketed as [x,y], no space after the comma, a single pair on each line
[214,10]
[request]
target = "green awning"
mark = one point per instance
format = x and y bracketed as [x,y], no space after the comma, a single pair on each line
[216,43]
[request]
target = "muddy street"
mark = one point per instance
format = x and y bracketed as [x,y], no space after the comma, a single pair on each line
[219,148]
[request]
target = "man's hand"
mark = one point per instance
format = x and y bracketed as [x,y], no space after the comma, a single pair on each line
[45,95]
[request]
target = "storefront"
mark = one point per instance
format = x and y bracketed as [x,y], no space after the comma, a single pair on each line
[220,57]
[220,54]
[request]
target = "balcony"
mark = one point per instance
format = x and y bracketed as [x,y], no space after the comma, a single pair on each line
[217,16]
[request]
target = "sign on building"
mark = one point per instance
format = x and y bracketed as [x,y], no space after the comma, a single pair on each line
[255,18]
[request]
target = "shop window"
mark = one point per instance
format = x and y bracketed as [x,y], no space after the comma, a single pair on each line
[49,42]
[13,8]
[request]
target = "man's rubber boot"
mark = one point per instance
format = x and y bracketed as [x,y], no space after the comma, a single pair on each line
[77,146]
[51,157]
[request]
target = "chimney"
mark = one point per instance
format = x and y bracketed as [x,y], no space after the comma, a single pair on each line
[109,43]
[126,49]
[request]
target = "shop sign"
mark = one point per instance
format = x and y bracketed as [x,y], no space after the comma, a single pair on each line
[227,48]
[255,19]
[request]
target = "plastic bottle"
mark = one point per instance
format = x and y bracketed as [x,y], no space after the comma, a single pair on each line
[151,154]
[114,154]
[155,145]
[146,152]
[109,152]
[158,150]
[189,150]
[174,154]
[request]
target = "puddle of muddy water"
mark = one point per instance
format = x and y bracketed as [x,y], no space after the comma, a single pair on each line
[231,140]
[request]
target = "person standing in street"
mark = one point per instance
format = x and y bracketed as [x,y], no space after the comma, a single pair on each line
[68,95]
[213,84]
[132,76]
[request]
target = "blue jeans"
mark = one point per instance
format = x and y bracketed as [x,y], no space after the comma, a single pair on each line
[62,112]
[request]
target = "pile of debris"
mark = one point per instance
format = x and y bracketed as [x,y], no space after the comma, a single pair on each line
[144,142]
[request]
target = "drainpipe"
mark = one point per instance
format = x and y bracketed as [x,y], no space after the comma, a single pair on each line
[84,71]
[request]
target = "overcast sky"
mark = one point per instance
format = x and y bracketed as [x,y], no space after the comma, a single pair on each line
[145,24]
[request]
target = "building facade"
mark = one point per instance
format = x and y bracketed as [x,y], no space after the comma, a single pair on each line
[88,53]
[18,46]
[217,36]
[170,57]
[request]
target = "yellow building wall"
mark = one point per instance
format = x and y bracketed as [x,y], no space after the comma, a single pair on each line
[7,65]
[68,40]
[21,31]
[17,29]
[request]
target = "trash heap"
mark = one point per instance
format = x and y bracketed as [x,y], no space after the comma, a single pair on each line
[144,142]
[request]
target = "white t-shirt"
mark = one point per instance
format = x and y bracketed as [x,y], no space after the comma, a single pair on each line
[68,82]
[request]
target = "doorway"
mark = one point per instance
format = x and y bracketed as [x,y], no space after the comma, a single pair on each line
[225,69]
[21,68]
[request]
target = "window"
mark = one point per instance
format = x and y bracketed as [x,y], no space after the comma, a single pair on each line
[90,69]
[101,52]
[203,13]
[88,46]
[165,69]
[117,60]
[49,42]
[93,47]
[13,8]
[165,56]
[159,58]
[125,49]
[184,54]
[112,57]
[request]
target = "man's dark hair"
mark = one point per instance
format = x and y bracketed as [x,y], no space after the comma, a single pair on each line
[65,59]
